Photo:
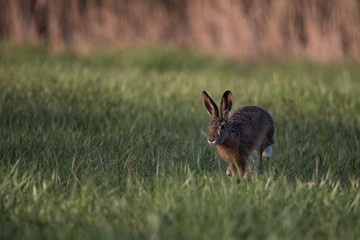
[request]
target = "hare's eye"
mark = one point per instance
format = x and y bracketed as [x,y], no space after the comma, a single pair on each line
[222,126]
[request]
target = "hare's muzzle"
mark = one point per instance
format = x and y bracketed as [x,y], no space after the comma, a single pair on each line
[212,142]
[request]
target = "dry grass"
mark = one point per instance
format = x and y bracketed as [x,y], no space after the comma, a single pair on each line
[320,30]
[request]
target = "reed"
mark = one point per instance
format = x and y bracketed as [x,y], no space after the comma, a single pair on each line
[321,30]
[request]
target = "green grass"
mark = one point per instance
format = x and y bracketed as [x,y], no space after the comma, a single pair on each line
[113,146]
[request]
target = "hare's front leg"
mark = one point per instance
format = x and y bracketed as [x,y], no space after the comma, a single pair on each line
[230,170]
[234,168]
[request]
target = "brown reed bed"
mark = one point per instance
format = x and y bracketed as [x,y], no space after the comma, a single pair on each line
[319,30]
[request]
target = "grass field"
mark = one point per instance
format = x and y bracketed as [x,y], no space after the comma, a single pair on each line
[113,146]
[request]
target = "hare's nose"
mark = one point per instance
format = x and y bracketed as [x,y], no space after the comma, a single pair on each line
[211,142]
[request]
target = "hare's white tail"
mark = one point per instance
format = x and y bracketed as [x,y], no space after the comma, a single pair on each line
[267,152]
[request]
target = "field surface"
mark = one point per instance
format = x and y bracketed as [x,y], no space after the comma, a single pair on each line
[113,146]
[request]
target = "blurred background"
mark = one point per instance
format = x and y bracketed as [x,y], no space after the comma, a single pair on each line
[248,30]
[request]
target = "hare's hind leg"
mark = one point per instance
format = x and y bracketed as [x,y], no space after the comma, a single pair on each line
[270,140]
[265,149]
[259,166]
[266,152]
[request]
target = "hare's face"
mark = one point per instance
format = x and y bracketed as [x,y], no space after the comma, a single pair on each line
[217,131]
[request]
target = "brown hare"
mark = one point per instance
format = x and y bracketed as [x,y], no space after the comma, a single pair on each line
[249,128]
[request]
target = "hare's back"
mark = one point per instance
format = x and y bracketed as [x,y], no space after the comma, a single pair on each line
[251,115]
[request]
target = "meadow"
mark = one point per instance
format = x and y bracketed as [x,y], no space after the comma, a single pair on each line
[113,146]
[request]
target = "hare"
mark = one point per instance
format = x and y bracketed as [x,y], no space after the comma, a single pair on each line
[249,128]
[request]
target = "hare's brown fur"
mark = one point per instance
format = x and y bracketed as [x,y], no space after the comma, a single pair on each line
[249,128]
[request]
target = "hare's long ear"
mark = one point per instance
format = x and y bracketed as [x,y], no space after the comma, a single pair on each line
[210,105]
[226,104]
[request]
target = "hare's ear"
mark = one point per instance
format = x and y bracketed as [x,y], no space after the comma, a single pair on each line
[210,105]
[226,104]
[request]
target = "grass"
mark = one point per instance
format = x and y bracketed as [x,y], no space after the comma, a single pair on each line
[113,146]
